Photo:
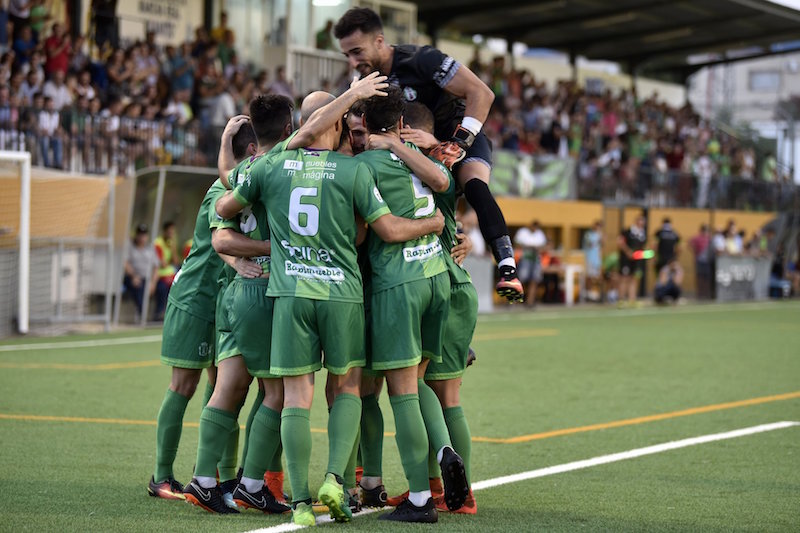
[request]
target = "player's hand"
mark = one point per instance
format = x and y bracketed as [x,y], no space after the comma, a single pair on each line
[448,153]
[423,139]
[370,85]
[460,251]
[246,268]
[382,141]
[439,219]
[234,124]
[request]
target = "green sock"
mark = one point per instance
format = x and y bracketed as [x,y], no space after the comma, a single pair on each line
[276,464]
[216,427]
[343,425]
[459,432]
[438,435]
[168,433]
[350,470]
[265,437]
[412,442]
[253,411]
[227,463]
[434,470]
[207,394]
[371,436]
[296,434]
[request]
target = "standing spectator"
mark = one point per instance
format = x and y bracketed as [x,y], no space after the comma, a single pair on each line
[9,120]
[530,240]
[593,254]
[703,169]
[281,85]
[58,91]
[51,135]
[701,247]
[629,241]
[667,244]
[218,33]
[166,246]
[5,38]
[58,48]
[324,39]
[40,14]
[24,45]
[181,68]
[19,13]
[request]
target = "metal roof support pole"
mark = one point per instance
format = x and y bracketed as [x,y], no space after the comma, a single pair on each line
[572,58]
[510,51]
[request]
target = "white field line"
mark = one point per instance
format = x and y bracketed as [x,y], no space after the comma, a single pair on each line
[579,465]
[79,344]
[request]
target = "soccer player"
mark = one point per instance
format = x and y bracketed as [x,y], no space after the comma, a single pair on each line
[445,377]
[460,102]
[410,294]
[189,335]
[245,329]
[311,195]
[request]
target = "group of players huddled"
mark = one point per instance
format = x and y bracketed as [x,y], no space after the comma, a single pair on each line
[336,245]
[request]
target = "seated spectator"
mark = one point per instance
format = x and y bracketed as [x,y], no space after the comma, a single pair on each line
[141,264]
[51,135]
[668,285]
[24,46]
[57,90]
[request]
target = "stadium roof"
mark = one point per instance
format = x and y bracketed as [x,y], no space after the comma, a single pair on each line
[663,38]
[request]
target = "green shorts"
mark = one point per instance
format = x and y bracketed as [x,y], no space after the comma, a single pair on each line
[408,323]
[458,331]
[245,326]
[187,341]
[303,329]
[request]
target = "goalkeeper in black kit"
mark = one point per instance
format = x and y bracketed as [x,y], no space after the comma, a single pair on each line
[460,103]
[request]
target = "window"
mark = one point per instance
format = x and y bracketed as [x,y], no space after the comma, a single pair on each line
[764,80]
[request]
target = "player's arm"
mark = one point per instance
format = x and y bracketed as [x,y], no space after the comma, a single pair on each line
[324,118]
[398,229]
[478,97]
[424,168]
[226,161]
[228,205]
[230,242]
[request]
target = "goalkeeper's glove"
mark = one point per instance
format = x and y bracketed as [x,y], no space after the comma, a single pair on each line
[448,153]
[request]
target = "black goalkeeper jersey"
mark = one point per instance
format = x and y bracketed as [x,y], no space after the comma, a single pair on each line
[422,73]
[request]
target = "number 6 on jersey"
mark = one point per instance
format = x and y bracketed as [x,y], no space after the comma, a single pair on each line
[311,211]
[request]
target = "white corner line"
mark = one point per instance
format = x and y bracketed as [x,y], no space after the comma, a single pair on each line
[577,465]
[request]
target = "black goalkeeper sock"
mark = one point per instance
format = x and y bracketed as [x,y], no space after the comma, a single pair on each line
[492,224]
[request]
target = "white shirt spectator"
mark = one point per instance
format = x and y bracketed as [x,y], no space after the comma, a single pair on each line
[48,122]
[224,108]
[528,238]
[61,95]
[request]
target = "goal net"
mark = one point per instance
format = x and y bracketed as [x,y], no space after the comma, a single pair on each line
[57,248]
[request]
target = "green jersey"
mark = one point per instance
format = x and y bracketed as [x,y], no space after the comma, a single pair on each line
[311,197]
[446,202]
[195,287]
[397,263]
[252,221]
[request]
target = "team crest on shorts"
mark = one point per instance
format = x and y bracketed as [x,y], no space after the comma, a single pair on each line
[202,350]
[410,94]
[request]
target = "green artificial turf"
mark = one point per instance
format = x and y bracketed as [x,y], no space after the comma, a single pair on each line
[536,372]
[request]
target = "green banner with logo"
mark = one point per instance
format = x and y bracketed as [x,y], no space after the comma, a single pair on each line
[527,176]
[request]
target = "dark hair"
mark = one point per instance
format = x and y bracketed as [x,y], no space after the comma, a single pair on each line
[166,225]
[357,18]
[381,113]
[269,115]
[242,140]
[418,116]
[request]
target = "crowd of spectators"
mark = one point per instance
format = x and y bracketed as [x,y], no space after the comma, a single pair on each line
[628,148]
[137,105]
[84,106]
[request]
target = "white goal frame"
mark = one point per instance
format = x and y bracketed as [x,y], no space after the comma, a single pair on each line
[23,304]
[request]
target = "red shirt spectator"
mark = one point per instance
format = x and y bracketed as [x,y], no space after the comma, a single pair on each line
[58,48]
